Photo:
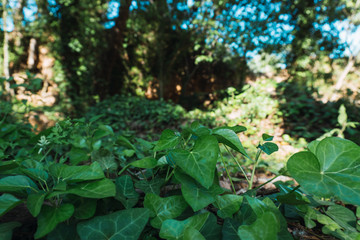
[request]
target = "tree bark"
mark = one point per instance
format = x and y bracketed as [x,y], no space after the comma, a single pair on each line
[6,44]
[31,53]
[345,72]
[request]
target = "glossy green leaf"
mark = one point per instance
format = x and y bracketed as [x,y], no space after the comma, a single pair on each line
[343,216]
[200,163]
[191,233]
[265,227]
[17,184]
[125,224]
[85,208]
[168,140]
[74,174]
[269,148]
[8,202]
[237,129]
[125,191]
[50,217]
[36,174]
[229,138]
[199,130]
[333,171]
[34,203]
[267,137]
[96,189]
[6,229]
[211,230]
[147,162]
[230,229]
[78,155]
[227,204]
[150,186]
[196,195]
[164,208]
[174,229]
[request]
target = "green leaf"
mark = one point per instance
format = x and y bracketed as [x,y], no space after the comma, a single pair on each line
[122,141]
[330,224]
[8,165]
[191,233]
[168,140]
[289,196]
[333,171]
[36,174]
[228,205]
[199,130]
[164,208]
[72,174]
[200,163]
[148,162]
[34,203]
[8,202]
[84,208]
[125,224]
[174,229]
[269,148]
[50,217]
[237,129]
[103,131]
[6,230]
[97,189]
[267,137]
[230,228]
[151,186]
[265,227]
[196,195]
[211,230]
[312,146]
[78,155]
[125,191]
[343,216]
[17,184]
[229,138]
[63,232]
[106,160]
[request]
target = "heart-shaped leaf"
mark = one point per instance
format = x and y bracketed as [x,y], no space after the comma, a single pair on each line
[164,208]
[230,229]
[17,184]
[34,203]
[49,217]
[196,195]
[125,224]
[97,189]
[265,227]
[200,163]
[229,138]
[237,129]
[77,173]
[228,205]
[211,229]
[174,229]
[191,233]
[168,139]
[150,186]
[343,216]
[269,147]
[84,208]
[333,170]
[8,202]
[147,162]
[125,191]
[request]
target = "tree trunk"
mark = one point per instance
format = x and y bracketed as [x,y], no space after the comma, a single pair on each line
[31,53]
[341,79]
[6,43]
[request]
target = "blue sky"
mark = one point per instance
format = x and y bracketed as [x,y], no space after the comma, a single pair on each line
[350,37]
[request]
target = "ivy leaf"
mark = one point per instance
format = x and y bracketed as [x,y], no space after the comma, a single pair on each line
[36,174]
[72,174]
[84,208]
[16,184]
[8,202]
[211,230]
[230,228]
[78,155]
[267,137]
[147,162]
[200,163]
[168,139]
[332,171]
[164,208]
[265,227]
[34,203]
[105,159]
[191,233]
[97,189]
[103,131]
[229,138]
[343,216]
[50,217]
[125,191]
[269,147]
[150,186]
[237,129]
[196,195]
[228,205]
[125,224]
[174,229]
[6,230]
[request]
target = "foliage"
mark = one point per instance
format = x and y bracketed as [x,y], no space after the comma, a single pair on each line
[79,177]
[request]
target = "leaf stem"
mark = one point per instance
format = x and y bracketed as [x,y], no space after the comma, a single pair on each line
[172,173]
[241,169]
[254,168]
[227,171]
